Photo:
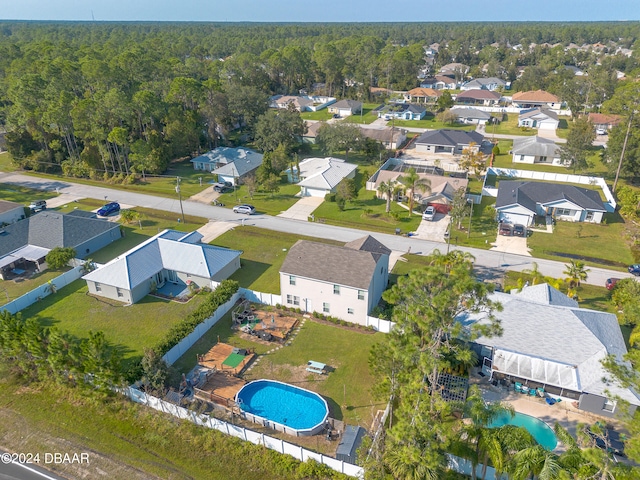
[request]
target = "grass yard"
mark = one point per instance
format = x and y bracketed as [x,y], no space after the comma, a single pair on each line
[263,254]
[564,126]
[23,195]
[6,162]
[431,123]
[368,115]
[484,227]
[130,327]
[322,114]
[10,289]
[509,126]
[602,241]
[271,204]
[347,389]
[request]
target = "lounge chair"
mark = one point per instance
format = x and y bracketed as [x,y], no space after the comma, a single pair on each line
[517,387]
[540,391]
[532,392]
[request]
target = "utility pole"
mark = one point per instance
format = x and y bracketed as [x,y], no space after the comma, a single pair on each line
[179,196]
[470,216]
[624,148]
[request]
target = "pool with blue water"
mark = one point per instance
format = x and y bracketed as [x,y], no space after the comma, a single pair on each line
[288,405]
[541,432]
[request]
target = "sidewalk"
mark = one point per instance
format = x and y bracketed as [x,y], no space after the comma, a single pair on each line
[303,208]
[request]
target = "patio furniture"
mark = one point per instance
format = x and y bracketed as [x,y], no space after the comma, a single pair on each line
[532,392]
[540,392]
[517,387]
[550,401]
[524,389]
[316,367]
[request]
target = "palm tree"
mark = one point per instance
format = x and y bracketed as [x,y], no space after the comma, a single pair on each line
[576,273]
[412,182]
[389,189]
[536,462]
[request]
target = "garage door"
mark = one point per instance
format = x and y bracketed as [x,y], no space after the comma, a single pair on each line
[515,218]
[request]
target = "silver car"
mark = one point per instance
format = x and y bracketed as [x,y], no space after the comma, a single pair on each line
[429,213]
[246,209]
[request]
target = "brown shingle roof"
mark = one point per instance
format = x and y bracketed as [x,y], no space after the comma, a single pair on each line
[424,92]
[535,96]
[479,95]
[604,119]
[5,206]
[332,264]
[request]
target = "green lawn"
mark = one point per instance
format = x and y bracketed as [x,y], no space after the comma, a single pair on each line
[319,115]
[10,289]
[6,162]
[23,195]
[429,121]
[603,241]
[509,126]
[263,254]
[347,389]
[368,115]
[131,327]
[564,125]
[484,227]
[271,204]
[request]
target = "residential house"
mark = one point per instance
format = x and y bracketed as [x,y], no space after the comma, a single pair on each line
[488,83]
[537,98]
[456,70]
[602,121]
[422,95]
[320,176]
[344,282]
[479,97]
[10,212]
[391,138]
[469,115]
[575,70]
[441,189]
[540,118]
[308,103]
[447,141]
[26,243]
[312,131]
[344,108]
[536,150]
[549,342]
[229,163]
[520,201]
[172,260]
[439,82]
[402,111]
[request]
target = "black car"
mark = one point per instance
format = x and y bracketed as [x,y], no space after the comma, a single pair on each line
[634,269]
[519,231]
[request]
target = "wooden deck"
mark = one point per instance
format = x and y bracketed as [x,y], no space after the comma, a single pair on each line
[220,388]
[215,357]
[277,324]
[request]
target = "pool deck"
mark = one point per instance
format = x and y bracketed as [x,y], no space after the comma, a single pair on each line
[277,324]
[563,413]
[221,389]
[215,357]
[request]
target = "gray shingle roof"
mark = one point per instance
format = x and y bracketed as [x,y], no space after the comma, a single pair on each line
[528,194]
[536,112]
[352,104]
[332,264]
[537,146]
[49,229]
[473,113]
[482,82]
[369,244]
[5,206]
[449,138]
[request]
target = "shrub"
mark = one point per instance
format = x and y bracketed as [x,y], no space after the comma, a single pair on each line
[59,257]
[330,197]
[278,306]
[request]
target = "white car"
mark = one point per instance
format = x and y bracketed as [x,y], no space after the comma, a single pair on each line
[601,131]
[429,213]
[247,209]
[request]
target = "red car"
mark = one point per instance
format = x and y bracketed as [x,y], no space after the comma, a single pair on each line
[611,282]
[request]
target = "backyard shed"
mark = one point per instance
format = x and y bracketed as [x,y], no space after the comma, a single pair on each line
[349,444]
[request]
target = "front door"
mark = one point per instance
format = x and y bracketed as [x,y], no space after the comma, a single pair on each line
[172,276]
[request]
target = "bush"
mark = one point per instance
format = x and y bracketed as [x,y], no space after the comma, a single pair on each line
[59,257]
[330,197]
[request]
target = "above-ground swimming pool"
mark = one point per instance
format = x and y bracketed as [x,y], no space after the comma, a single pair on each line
[541,432]
[276,404]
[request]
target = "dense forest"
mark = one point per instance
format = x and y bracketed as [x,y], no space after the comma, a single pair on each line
[121,99]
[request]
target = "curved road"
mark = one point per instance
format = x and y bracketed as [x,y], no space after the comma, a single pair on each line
[490,264]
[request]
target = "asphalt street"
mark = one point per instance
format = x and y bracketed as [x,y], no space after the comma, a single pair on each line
[10,470]
[490,264]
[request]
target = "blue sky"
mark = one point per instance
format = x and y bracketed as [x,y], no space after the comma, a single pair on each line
[325,11]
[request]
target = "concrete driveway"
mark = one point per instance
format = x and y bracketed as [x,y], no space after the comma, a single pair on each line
[434,230]
[517,245]
[302,208]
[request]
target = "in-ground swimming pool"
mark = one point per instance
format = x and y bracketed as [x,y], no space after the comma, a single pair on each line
[294,409]
[541,432]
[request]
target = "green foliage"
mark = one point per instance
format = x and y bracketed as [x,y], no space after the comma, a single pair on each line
[445,101]
[129,216]
[626,298]
[575,151]
[279,128]
[59,257]
[219,296]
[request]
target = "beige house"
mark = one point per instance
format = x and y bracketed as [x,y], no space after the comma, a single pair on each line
[10,212]
[344,282]
[391,138]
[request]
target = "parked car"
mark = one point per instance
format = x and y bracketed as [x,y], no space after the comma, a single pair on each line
[634,269]
[610,283]
[38,206]
[505,229]
[429,213]
[519,231]
[109,209]
[222,187]
[601,131]
[246,209]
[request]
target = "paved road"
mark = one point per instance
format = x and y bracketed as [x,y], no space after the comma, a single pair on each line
[490,264]
[18,471]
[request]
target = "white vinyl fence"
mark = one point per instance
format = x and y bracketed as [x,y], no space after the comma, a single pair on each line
[272,443]
[42,291]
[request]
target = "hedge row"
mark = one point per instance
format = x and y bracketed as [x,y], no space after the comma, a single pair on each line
[218,297]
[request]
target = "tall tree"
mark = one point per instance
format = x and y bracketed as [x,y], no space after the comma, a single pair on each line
[412,182]
[279,127]
[581,136]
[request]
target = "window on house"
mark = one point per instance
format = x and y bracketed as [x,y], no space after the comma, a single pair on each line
[609,405]
[296,300]
[336,289]
[289,299]
[98,287]
[350,311]
[325,307]
[360,294]
[522,158]
[119,292]
[292,280]
[543,159]
[564,212]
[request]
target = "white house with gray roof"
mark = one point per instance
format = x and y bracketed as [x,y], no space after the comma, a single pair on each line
[468,115]
[10,212]
[344,282]
[171,256]
[230,164]
[344,108]
[448,141]
[540,117]
[536,150]
[320,176]
[549,341]
[520,201]
[487,83]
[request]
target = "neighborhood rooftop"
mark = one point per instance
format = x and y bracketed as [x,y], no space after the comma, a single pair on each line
[527,194]
[324,173]
[448,137]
